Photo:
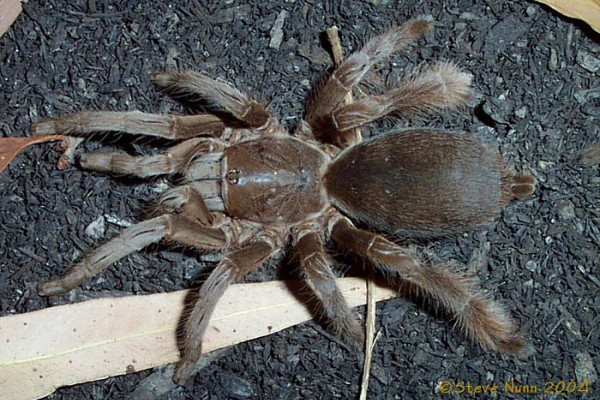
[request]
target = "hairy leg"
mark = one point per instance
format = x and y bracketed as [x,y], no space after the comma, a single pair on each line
[438,87]
[517,185]
[133,122]
[176,159]
[351,71]
[316,267]
[170,227]
[480,317]
[232,266]
[191,83]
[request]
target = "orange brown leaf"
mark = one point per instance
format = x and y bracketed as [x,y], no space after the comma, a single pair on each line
[11,146]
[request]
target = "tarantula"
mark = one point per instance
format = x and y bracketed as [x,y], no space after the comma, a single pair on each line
[250,186]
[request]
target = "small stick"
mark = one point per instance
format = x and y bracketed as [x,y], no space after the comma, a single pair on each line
[338,58]
[371,338]
[336,47]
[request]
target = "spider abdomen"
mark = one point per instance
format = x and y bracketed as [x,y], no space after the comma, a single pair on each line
[419,182]
[274,180]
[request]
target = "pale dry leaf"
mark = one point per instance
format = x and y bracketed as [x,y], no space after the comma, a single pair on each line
[585,10]
[65,345]
[9,11]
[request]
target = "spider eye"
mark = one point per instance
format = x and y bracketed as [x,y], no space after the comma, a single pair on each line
[233,176]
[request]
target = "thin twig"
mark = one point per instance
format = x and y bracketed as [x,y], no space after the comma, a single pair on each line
[371,338]
[336,47]
[338,58]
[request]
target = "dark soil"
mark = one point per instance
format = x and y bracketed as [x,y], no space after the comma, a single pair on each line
[536,77]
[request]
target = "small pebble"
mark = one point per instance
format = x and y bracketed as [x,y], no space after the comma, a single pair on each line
[521,112]
[588,61]
[277,30]
[461,26]
[531,265]
[97,228]
[567,211]
[553,62]
[584,368]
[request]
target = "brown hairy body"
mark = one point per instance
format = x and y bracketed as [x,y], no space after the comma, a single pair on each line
[250,187]
[420,182]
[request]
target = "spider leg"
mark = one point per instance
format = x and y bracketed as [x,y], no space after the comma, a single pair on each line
[480,317]
[168,226]
[517,185]
[133,122]
[188,201]
[351,71]
[438,87]
[316,267]
[232,266]
[191,83]
[176,159]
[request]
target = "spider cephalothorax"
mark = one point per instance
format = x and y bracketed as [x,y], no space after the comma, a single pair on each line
[249,189]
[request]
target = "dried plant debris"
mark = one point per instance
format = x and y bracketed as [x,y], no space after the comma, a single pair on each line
[591,154]
[11,146]
[536,96]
